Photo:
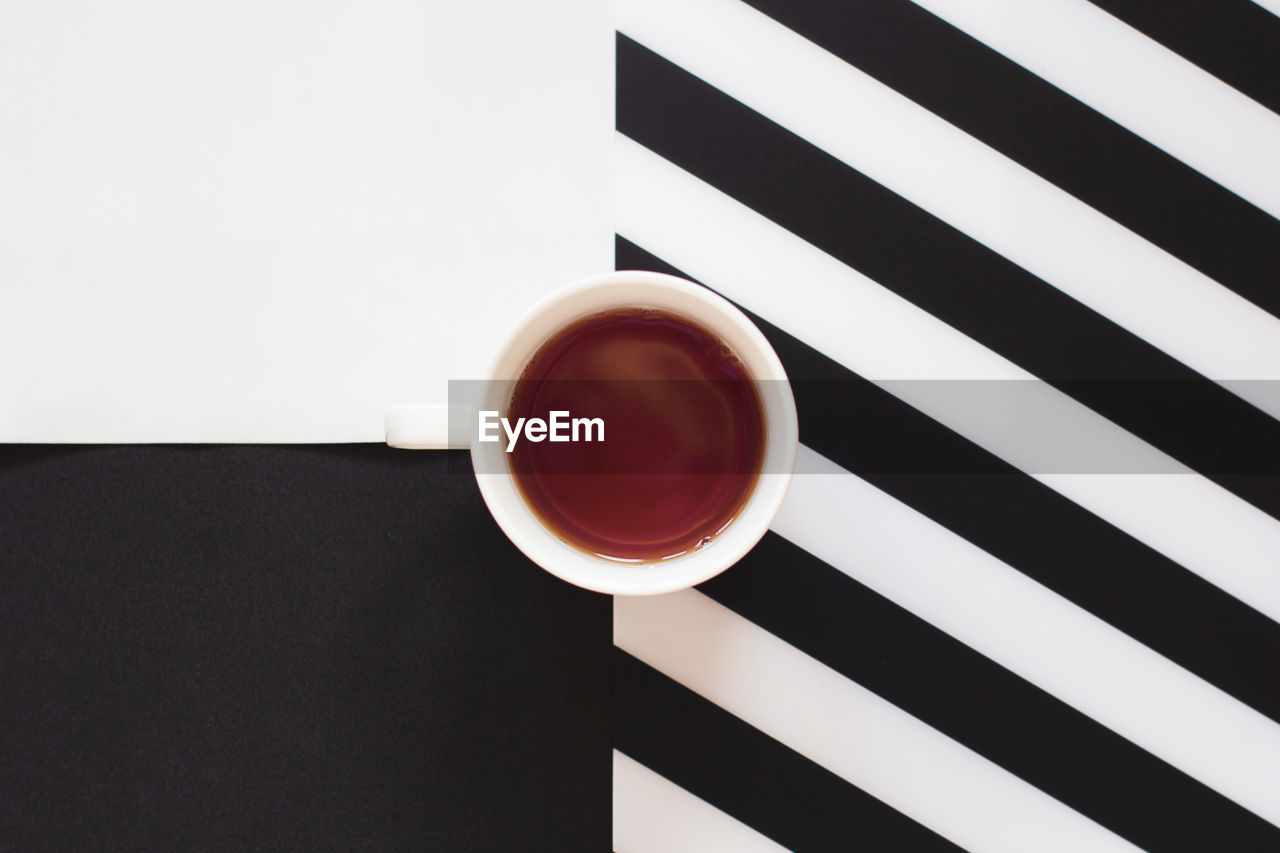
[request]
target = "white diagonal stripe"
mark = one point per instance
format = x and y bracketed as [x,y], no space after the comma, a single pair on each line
[1272,6]
[1137,83]
[1032,631]
[878,335]
[972,187]
[848,729]
[654,815]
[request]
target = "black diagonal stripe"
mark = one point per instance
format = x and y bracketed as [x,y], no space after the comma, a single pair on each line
[938,679]
[747,774]
[948,274]
[1235,40]
[1059,138]
[1026,524]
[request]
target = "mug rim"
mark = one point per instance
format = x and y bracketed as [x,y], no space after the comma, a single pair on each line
[568,562]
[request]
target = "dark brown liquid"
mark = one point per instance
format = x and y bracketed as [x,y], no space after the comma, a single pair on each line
[684,435]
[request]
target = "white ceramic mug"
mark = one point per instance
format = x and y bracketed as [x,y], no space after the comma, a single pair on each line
[425,426]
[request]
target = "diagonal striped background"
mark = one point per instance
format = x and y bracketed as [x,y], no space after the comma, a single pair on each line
[970,189]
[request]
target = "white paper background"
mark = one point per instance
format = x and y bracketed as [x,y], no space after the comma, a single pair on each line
[264,221]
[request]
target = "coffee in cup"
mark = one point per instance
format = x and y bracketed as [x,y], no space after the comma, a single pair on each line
[671,442]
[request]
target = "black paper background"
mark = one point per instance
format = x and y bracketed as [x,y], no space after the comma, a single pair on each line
[244,647]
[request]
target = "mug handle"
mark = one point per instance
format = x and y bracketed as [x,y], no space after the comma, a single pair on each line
[422,426]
